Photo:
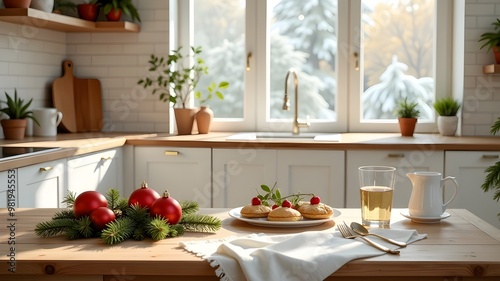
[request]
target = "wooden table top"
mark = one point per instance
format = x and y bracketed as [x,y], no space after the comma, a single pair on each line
[462,245]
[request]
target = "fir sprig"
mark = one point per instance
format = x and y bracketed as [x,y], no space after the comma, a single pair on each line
[200,223]
[492,180]
[69,200]
[158,228]
[64,214]
[189,207]
[81,228]
[118,231]
[53,227]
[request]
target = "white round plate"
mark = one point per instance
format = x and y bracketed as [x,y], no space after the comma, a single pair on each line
[425,219]
[235,213]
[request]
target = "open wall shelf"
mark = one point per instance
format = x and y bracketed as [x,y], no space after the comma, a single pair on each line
[491,68]
[41,19]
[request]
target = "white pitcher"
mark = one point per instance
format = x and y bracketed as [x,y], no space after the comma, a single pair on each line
[49,119]
[426,198]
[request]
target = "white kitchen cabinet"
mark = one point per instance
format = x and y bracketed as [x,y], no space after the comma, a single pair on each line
[468,169]
[4,189]
[238,174]
[405,161]
[184,172]
[98,171]
[42,185]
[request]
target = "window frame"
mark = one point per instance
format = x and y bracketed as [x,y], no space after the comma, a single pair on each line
[256,113]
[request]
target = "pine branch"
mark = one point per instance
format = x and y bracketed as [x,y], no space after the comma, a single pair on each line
[492,180]
[189,207]
[65,214]
[176,230]
[113,197]
[118,231]
[158,229]
[53,227]
[200,223]
[495,127]
[70,199]
[81,228]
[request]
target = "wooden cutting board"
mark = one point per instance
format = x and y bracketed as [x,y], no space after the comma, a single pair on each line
[79,100]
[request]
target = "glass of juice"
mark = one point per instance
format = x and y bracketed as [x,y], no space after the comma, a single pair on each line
[376,189]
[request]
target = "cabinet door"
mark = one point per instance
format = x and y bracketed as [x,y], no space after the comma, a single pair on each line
[96,171]
[404,161]
[312,171]
[41,185]
[184,172]
[468,169]
[239,173]
[5,186]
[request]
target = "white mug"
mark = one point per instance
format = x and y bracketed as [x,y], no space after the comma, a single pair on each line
[48,119]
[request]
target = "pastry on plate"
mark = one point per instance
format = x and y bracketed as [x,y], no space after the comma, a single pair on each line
[284,214]
[315,211]
[255,211]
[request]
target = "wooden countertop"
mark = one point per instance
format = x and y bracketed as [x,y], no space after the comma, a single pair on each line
[82,143]
[462,246]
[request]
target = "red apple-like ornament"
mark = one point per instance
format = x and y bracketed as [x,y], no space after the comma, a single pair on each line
[101,216]
[167,208]
[87,202]
[144,196]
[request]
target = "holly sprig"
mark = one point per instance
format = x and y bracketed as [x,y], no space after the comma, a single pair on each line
[274,196]
[132,222]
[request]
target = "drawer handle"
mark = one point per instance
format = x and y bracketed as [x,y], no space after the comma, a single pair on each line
[171,153]
[46,169]
[490,156]
[396,155]
[105,158]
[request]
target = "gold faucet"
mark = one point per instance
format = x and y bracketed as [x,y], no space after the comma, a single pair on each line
[286,102]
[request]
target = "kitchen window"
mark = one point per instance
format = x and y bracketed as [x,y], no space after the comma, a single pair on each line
[355,60]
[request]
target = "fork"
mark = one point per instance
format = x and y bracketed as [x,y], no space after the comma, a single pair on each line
[346,233]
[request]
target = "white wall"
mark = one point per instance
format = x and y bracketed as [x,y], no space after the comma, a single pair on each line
[481,93]
[31,58]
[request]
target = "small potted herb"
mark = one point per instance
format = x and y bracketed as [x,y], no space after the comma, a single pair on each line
[447,121]
[17,110]
[407,113]
[113,9]
[492,40]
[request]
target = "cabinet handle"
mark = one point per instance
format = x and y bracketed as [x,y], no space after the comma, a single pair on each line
[46,169]
[490,156]
[396,155]
[249,56]
[171,153]
[105,158]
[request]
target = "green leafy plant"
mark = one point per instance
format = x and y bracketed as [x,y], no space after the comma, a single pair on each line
[175,78]
[491,39]
[62,5]
[447,106]
[17,108]
[212,89]
[272,196]
[126,6]
[407,109]
[492,180]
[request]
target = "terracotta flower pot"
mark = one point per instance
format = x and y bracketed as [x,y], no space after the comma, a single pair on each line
[407,126]
[114,15]
[204,118]
[184,118]
[88,12]
[16,3]
[14,129]
[496,52]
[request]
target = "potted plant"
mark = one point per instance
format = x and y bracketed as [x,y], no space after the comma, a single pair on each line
[113,9]
[407,113]
[43,5]
[17,3]
[17,110]
[492,179]
[60,6]
[205,115]
[447,121]
[89,10]
[175,79]
[492,40]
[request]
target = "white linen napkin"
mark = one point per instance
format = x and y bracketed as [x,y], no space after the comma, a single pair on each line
[305,256]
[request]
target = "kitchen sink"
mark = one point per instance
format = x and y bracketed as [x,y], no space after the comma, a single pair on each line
[285,135]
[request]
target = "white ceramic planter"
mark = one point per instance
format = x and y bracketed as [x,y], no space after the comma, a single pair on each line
[447,125]
[43,5]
